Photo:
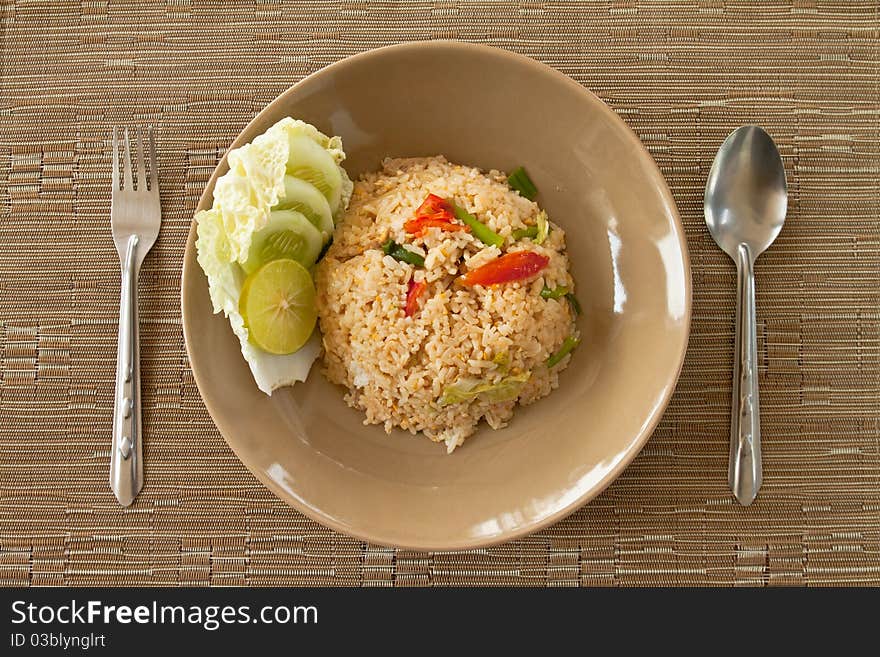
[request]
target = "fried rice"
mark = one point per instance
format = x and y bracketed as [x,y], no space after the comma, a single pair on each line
[397,368]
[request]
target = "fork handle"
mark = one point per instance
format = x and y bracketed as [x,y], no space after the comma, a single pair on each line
[126,452]
[744,469]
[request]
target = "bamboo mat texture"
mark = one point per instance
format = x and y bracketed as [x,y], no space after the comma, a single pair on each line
[682,74]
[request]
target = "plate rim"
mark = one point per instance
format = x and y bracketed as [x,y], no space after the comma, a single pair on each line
[639,440]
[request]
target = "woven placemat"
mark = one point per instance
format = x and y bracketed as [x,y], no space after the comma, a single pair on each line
[681,74]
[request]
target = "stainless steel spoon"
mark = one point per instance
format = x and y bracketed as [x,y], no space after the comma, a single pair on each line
[745,205]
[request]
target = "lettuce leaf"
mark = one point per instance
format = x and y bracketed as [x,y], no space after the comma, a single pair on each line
[254,184]
[243,200]
[465,390]
[225,279]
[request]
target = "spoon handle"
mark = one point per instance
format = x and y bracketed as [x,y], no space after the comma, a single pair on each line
[744,471]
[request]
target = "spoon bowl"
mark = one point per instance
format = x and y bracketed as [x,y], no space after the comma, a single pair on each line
[745,205]
[746,197]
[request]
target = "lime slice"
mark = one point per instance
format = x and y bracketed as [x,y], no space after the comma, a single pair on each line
[304,197]
[278,306]
[308,161]
[287,234]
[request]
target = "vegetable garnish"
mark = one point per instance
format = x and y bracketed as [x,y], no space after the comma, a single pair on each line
[555,293]
[567,346]
[516,266]
[464,390]
[277,202]
[402,254]
[434,212]
[435,207]
[412,297]
[537,233]
[419,226]
[543,228]
[277,305]
[561,291]
[522,233]
[520,181]
[482,232]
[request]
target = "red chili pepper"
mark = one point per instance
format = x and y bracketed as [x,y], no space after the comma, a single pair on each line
[412,297]
[419,225]
[435,207]
[434,212]
[515,266]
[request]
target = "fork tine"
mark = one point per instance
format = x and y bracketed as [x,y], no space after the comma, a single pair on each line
[142,173]
[127,182]
[115,178]
[154,168]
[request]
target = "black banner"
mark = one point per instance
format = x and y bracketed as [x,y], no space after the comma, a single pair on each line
[134,621]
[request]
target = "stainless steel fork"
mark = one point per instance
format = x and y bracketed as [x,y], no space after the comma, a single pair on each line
[135,217]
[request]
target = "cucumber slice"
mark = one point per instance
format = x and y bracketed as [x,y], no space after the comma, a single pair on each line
[288,234]
[308,161]
[304,197]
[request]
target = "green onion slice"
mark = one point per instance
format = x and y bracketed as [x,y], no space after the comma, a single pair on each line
[554,293]
[520,233]
[520,181]
[480,230]
[402,254]
[567,346]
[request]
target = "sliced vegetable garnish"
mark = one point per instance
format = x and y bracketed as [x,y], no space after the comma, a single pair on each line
[516,266]
[402,254]
[419,226]
[543,228]
[522,233]
[435,207]
[465,390]
[277,305]
[412,297]
[287,234]
[309,161]
[537,233]
[555,293]
[520,181]
[567,346]
[434,212]
[561,291]
[304,197]
[482,232]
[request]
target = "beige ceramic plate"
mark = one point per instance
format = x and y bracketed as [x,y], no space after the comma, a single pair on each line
[493,109]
